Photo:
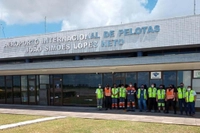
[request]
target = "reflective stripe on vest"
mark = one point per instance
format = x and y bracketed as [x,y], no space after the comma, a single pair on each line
[170,94]
[139,92]
[115,91]
[189,96]
[107,92]
[122,92]
[152,92]
[99,93]
[161,94]
[181,93]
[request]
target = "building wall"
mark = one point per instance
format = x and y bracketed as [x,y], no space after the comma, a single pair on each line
[181,31]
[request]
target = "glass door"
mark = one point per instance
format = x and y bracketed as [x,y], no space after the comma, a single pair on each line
[32,89]
[57,88]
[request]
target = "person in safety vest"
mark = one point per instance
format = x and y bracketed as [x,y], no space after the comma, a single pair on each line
[170,98]
[181,98]
[115,95]
[99,97]
[190,98]
[142,97]
[122,97]
[152,97]
[130,98]
[107,94]
[161,98]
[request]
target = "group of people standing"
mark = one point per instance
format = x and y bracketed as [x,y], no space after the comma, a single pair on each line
[158,99]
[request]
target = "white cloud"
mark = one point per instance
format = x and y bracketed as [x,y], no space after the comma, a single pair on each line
[76,14]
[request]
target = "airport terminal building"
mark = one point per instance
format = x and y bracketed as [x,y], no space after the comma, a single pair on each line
[65,68]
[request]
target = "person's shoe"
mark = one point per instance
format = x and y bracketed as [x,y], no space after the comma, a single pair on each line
[133,110]
[140,110]
[158,111]
[174,112]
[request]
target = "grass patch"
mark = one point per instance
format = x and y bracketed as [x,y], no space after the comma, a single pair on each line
[78,125]
[13,118]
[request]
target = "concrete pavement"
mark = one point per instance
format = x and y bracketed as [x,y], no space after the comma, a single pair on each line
[93,113]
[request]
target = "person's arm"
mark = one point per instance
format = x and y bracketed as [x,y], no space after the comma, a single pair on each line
[195,96]
[175,94]
[156,97]
[96,94]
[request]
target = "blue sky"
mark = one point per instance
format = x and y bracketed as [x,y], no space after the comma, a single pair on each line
[17,29]
[28,18]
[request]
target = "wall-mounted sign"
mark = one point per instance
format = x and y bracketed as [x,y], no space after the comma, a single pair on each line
[156,75]
[88,40]
[196,74]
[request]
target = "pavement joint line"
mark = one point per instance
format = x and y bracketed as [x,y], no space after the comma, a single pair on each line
[13,125]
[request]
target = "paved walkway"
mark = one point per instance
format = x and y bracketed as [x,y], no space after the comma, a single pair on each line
[89,112]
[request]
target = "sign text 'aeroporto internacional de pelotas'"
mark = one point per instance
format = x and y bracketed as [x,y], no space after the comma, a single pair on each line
[81,41]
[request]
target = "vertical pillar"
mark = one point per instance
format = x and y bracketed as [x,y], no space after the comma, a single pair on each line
[139,53]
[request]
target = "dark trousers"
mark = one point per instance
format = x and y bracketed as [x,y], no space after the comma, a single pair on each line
[182,105]
[108,101]
[171,102]
[152,104]
[190,108]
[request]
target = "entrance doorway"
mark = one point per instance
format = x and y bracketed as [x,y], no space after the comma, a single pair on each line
[55,93]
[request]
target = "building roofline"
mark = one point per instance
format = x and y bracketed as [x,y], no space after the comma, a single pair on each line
[171,18]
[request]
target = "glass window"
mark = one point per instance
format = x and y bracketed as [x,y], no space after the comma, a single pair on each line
[31,76]
[188,50]
[158,82]
[16,89]
[171,51]
[9,92]
[80,88]
[24,89]
[169,77]
[107,79]
[143,78]
[116,75]
[184,77]
[155,53]
[131,78]
[2,89]
[196,87]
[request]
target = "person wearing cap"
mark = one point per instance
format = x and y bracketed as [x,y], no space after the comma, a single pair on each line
[115,94]
[152,97]
[142,97]
[122,97]
[99,97]
[190,98]
[107,94]
[181,98]
[131,98]
[161,98]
